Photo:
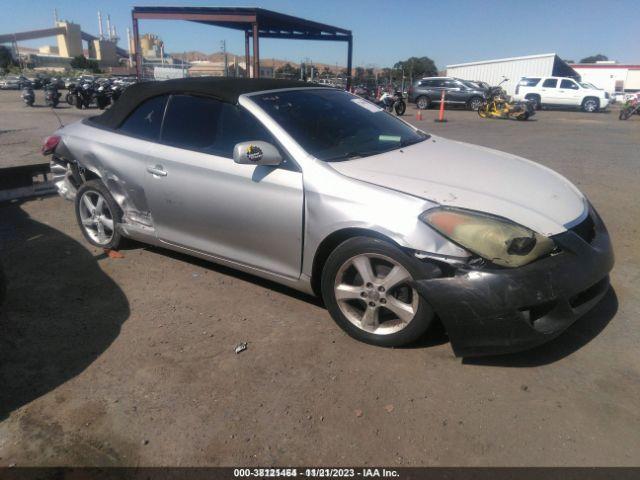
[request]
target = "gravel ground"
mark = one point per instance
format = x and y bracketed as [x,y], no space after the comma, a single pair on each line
[130,361]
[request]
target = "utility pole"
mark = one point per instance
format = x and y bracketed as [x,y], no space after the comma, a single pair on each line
[223,47]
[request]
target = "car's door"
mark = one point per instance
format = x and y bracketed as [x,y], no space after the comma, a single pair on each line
[202,200]
[455,92]
[124,154]
[549,91]
[569,92]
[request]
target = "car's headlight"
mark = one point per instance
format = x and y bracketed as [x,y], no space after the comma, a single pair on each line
[495,239]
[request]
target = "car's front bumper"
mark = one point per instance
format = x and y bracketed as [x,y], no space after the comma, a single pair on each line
[495,311]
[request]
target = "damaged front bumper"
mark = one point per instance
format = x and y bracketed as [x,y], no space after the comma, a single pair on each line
[496,311]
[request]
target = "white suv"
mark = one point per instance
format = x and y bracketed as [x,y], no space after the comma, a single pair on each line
[561,92]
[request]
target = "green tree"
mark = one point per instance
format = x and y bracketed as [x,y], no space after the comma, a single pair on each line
[82,63]
[595,58]
[288,71]
[417,67]
[6,59]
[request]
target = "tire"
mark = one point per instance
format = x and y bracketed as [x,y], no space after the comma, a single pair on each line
[70,99]
[590,105]
[77,102]
[423,102]
[400,107]
[474,103]
[482,113]
[625,113]
[90,224]
[363,301]
[535,99]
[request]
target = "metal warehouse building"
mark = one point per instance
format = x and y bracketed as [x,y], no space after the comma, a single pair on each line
[494,71]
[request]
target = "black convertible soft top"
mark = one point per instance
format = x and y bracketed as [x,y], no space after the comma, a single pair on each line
[224,89]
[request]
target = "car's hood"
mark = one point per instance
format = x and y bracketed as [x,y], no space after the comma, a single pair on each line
[468,176]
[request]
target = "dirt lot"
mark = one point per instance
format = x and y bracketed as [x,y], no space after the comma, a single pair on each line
[130,361]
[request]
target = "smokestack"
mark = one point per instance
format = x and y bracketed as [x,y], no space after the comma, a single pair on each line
[109,25]
[129,43]
[100,33]
[115,35]
[55,16]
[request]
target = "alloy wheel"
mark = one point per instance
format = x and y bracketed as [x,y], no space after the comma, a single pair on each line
[590,105]
[476,103]
[374,293]
[96,217]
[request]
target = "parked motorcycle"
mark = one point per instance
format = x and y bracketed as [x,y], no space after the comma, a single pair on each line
[71,94]
[116,91]
[498,105]
[51,96]
[83,96]
[393,102]
[28,96]
[630,107]
[102,97]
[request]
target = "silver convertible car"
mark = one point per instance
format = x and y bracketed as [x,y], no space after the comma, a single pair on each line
[325,192]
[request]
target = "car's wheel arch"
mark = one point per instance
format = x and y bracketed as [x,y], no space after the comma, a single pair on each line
[331,242]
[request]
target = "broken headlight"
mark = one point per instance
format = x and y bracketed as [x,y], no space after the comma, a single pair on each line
[495,239]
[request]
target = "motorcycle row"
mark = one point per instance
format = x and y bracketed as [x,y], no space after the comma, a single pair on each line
[83,94]
[393,100]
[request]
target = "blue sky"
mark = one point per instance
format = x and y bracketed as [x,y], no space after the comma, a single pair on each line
[448,31]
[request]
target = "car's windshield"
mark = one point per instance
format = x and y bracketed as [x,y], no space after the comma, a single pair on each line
[587,85]
[333,125]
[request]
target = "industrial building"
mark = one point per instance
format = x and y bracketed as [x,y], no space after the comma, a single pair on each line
[494,71]
[612,77]
[69,37]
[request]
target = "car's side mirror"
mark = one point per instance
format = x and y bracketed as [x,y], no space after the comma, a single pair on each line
[256,153]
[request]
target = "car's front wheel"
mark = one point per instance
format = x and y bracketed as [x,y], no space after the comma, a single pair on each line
[367,288]
[591,105]
[98,214]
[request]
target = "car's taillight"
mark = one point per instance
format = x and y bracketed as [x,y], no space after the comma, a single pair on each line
[50,144]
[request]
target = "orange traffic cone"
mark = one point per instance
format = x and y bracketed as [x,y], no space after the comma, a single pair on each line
[441,118]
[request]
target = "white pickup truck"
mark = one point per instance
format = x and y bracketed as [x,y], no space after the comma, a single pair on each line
[561,92]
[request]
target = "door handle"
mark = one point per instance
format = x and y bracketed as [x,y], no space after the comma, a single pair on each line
[157,170]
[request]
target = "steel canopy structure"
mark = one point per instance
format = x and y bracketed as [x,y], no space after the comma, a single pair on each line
[254,22]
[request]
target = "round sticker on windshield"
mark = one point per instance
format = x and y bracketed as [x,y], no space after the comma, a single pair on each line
[254,153]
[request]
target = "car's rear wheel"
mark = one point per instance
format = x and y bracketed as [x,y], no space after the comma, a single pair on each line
[475,103]
[98,214]
[535,100]
[366,286]
[423,102]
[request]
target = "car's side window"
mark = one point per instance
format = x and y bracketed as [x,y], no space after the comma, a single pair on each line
[191,122]
[568,84]
[210,126]
[145,121]
[550,83]
[529,82]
